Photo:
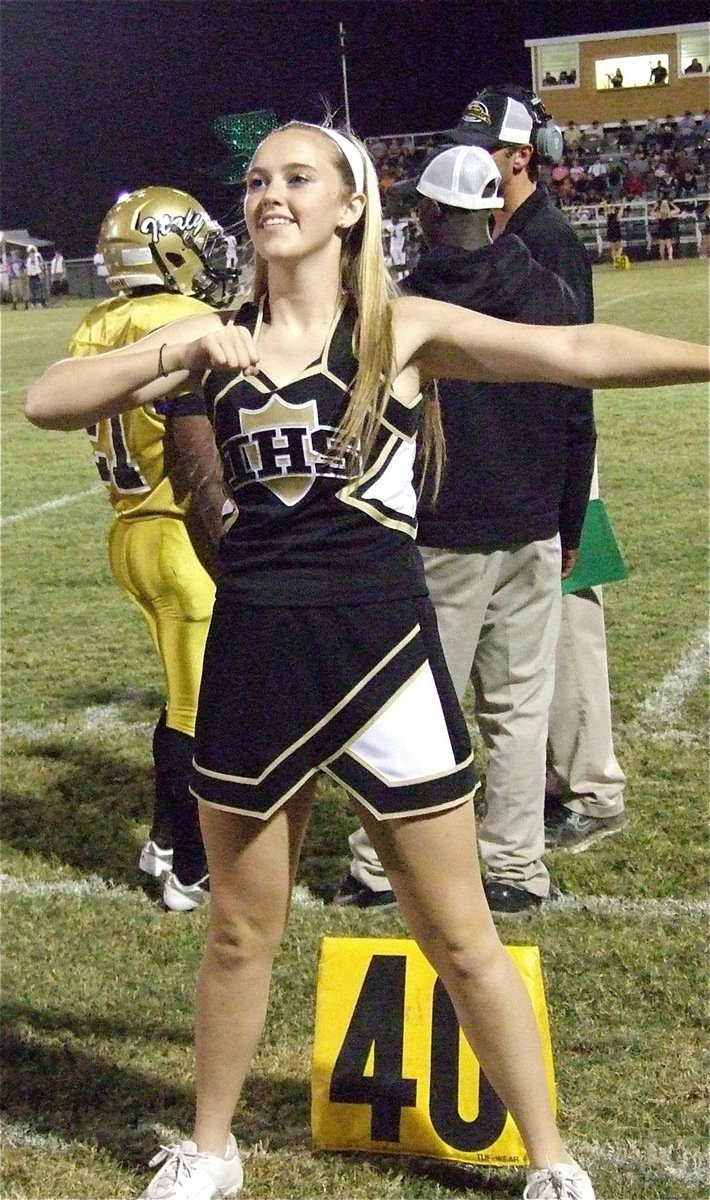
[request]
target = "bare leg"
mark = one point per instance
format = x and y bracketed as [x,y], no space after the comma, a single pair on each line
[432,864]
[252,865]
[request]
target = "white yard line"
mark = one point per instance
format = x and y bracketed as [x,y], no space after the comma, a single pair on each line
[99,719]
[71,889]
[649,1161]
[661,713]
[620,906]
[37,510]
[644,1160]
[94,887]
[629,297]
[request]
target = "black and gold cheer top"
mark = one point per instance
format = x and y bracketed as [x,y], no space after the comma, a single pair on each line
[313,527]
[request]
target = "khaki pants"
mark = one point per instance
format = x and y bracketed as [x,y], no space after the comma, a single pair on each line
[18,290]
[498,616]
[582,766]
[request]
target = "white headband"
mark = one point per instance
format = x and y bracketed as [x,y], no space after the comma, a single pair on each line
[355,160]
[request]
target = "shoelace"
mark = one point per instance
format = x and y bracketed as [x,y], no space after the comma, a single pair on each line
[175,1157]
[565,1185]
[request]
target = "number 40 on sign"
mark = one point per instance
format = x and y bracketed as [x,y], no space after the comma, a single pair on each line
[392,1072]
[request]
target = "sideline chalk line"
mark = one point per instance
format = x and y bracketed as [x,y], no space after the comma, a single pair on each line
[662,711]
[49,505]
[94,887]
[650,1161]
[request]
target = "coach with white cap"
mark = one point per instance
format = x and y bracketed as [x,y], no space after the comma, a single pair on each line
[515,488]
[585,786]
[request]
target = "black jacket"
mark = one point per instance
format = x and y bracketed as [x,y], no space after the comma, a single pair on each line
[520,457]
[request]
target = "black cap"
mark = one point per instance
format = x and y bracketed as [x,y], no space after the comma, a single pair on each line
[494,119]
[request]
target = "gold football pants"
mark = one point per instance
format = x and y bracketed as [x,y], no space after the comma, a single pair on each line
[153,561]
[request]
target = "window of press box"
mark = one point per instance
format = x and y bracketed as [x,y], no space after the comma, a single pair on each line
[558,65]
[632,71]
[694,52]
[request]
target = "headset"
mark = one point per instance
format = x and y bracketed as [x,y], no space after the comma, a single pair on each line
[546,137]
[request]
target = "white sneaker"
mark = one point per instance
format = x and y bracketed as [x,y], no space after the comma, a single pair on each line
[188,1175]
[154,860]
[184,897]
[562,1181]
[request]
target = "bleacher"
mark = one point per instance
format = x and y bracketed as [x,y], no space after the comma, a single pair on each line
[399,155]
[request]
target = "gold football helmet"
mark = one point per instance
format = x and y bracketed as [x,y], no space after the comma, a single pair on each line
[162,237]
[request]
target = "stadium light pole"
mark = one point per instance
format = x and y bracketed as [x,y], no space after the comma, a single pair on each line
[345,75]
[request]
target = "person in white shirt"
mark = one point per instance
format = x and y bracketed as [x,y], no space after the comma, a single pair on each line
[58,282]
[230,244]
[34,266]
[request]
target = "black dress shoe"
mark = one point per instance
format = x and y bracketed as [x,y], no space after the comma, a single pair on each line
[358,895]
[505,900]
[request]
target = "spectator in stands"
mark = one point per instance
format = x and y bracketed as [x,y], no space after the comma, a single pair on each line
[659,73]
[686,129]
[549,80]
[666,214]
[686,185]
[632,185]
[564,77]
[378,150]
[694,67]
[597,174]
[662,177]
[617,79]
[34,267]
[572,75]
[561,182]
[638,163]
[625,136]
[615,178]
[578,179]
[594,136]
[387,177]
[666,136]
[650,139]
[572,136]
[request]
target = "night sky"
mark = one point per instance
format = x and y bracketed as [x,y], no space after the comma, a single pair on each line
[101,96]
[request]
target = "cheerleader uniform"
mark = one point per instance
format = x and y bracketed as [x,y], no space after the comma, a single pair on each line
[323,652]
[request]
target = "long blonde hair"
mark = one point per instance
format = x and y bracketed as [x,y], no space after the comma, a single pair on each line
[366,279]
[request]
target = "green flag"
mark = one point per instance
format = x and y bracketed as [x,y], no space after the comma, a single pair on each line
[599,559]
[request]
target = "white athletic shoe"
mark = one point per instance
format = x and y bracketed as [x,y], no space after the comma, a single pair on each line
[188,1175]
[562,1181]
[154,860]
[184,897]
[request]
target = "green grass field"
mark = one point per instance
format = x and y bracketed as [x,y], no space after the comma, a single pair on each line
[98,978]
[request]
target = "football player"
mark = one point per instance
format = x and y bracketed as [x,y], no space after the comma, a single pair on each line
[163,480]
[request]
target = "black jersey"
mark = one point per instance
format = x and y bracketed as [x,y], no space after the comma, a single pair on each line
[314,525]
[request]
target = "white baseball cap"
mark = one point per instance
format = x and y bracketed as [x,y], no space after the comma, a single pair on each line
[462,177]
